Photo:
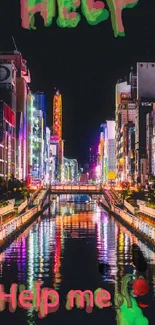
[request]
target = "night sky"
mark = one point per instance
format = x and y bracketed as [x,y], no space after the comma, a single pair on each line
[84,63]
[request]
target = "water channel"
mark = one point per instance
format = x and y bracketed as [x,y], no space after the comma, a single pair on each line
[62,249]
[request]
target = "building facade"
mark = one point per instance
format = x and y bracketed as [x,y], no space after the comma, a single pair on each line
[7,141]
[14,80]
[125,120]
[108,161]
[135,125]
[70,170]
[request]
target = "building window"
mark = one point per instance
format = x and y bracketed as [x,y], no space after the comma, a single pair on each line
[1,153]
[1,167]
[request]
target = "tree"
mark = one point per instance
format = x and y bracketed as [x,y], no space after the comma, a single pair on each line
[2,183]
[126,193]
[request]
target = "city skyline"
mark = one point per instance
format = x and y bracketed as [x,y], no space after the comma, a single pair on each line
[86,78]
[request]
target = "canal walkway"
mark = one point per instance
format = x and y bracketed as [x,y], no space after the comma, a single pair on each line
[139,223]
[12,225]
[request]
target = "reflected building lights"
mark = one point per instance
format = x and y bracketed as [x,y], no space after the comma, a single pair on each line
[30,262]
[41,246]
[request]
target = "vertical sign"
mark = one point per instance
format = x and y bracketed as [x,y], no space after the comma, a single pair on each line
[1,122]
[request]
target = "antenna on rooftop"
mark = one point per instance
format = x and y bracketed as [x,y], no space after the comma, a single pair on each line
[14,43]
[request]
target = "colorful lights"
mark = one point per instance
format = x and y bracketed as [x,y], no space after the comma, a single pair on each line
[57,128]
[98,171]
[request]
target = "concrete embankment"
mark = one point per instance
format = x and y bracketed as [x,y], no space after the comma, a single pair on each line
[133,224]
[6,241]
[12,229]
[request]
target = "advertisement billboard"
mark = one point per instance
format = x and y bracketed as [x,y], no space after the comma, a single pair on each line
[1,121]
[111,176]
[53,148]
[111,129]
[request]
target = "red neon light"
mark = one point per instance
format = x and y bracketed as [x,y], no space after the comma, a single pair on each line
[9,115]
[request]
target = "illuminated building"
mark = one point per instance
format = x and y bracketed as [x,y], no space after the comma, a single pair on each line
[70,170]
[135,123]
[53,158]
[101,152]
[40,105]
[153,144]
[125,119]
[144,107]
[131,153]
[108,161]
[7,116]
[37,146]
[93,160]
[13,91]
[57,130]
[7,141]
[30,109]
[47,177]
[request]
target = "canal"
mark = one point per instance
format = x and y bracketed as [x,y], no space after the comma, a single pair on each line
[63,249]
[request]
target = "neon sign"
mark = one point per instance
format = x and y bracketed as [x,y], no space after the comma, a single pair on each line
[94,12]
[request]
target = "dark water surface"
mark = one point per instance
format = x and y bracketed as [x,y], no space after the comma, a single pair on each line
[63,249]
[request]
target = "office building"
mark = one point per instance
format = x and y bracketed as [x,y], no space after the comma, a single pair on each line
[14,80]
[7,141]
[108,161]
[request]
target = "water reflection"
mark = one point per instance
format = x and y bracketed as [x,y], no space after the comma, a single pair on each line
[64,248]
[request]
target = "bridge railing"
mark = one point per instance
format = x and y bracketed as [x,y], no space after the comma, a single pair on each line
[76,187]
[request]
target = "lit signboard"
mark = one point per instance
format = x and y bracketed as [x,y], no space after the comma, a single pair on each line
[53,148]
[111,175]
[146,104]
[1,122]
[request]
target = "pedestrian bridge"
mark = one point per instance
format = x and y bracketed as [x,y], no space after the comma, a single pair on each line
[76,189]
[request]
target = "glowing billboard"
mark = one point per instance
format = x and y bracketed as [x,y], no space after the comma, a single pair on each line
[111,175]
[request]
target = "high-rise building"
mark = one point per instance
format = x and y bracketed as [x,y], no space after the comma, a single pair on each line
[40,105]
[30,119]
[48,165]
[14,81]
[38,146]
[54,170]
[7,141]
[108,160]
[144,107]
[101,152]
[135,123]
[70,170]
[57,130]
[130,167]
[8,74]
[124,118]
[93,161]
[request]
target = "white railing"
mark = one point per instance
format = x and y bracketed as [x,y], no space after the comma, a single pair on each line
[34,194]
[15,223]
[136,223]
[144,209]
[22,206]
[40,197]
[76,187]
[8,208]
[130,207]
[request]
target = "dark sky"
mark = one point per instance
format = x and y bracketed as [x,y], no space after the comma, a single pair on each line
[83,62]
